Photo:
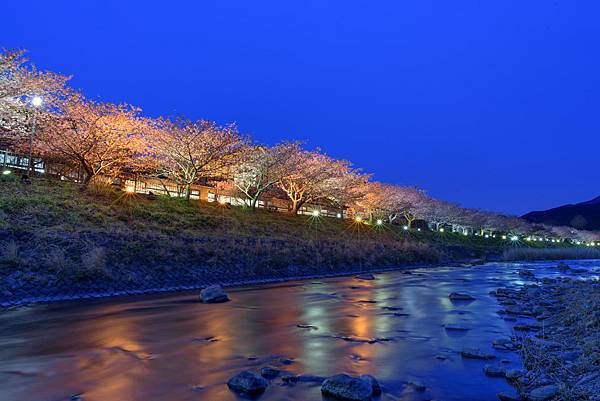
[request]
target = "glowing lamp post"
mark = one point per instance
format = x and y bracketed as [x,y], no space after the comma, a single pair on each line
[35,102]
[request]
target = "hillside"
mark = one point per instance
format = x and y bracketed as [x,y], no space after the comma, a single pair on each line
[584,215]
[57,240]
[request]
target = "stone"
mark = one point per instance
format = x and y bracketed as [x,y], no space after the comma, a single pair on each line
[476,354]
[213,294]
[456,327]
[347,388]
[418,386]
[494,371]
[503,344]
[508,396]
[458,296]
[269,372]
[365,276]
[543,393]
[248,382]
[514,374]
[372,382]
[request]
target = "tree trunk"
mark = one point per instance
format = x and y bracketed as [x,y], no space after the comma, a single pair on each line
[296,205]
[188,191]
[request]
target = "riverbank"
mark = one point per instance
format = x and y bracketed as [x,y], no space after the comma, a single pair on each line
[557,337]
[58,243]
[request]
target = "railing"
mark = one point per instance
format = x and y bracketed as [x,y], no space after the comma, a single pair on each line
[21,162]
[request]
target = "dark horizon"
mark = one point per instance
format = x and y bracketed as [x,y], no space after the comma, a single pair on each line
[488,105]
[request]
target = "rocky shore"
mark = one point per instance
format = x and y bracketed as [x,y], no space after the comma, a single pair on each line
[557,333]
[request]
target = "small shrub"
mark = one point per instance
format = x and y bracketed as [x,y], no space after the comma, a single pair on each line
[57,261]
[9,253]
[93,265]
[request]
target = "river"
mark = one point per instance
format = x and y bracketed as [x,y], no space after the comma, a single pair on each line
[171,347]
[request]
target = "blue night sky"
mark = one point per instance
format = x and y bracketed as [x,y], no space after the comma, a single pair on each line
[492,104]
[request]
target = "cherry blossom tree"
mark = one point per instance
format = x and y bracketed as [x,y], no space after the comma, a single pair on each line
[101,138]
[317,177]
[189,151]
[19,83]
[261,167]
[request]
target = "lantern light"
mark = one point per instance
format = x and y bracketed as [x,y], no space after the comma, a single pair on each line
[315,213]
[514,238]
[6,172]
[379,222]
[36,101]
[129,190]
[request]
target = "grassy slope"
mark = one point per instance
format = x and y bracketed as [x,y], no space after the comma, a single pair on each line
[52,237]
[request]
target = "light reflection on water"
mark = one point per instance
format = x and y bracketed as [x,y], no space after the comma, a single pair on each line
[170,347]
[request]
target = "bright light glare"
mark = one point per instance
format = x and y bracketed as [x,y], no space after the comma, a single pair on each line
[465,233]
[339,215]
[37,101]
[379,222]
[514,238]
[6,172]
[358,219]
[130,190]
[504,237]
[441,230]
[315,213]
[405,228]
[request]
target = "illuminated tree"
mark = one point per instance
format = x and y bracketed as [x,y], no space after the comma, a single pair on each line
[102,138]
[188,151]
[260,168]
[19,82]
[317,177]
[391,201]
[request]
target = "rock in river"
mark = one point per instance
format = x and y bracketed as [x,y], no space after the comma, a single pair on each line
[365,276]
[373,382]
[347,388]
[269,372]
[459,296]
[213,294]
[455,327]
[509,396]
[476,354]
[543,393]
[248,382]
[494,370]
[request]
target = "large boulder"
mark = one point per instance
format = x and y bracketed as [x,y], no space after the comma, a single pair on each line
[372,382]
[248,382]
[347,388]
[213,294]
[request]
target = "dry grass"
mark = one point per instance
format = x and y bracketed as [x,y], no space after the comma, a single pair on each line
[514,254]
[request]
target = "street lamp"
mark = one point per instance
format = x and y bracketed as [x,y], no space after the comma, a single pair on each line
[36,102]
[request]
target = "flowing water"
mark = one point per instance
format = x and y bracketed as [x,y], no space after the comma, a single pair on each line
[171,347]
